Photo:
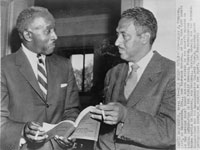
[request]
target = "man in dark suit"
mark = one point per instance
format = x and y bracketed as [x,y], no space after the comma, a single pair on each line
[36,86]
[139,108]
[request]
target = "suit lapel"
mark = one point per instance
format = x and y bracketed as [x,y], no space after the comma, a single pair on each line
[27,71]
[118,80]
[150,76]
[52,76]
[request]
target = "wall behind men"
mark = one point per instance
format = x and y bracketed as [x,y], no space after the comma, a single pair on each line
[165,13]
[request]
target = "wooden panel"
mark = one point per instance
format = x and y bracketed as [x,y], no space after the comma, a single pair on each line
[86,25]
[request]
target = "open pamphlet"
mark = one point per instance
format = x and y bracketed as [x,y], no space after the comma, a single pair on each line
[84,127]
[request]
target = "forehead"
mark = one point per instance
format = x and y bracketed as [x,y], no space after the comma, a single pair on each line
[42,21]
[125,25]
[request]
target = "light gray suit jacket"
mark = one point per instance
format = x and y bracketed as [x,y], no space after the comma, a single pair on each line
[22,99]
[150,121]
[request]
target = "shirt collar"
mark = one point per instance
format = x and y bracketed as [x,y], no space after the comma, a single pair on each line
[142,63]
[129,66]
[28,52]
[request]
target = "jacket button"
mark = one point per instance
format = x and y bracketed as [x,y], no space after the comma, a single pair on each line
[47,105]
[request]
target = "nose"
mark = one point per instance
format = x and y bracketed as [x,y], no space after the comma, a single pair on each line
[118,40]
[54,35]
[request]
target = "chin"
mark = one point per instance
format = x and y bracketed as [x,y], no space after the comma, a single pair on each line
[123,57]
[48,52]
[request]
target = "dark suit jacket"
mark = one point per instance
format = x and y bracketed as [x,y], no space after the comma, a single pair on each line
[22,99]
[150,121]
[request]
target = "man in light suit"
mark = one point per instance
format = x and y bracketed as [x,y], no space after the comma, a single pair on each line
[144,117]
[25,102]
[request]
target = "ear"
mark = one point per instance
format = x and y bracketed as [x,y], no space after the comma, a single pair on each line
[27,35]
[145,37]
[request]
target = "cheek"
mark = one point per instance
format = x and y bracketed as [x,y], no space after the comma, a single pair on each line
[129,45]
[44,42]
[41,43]
[40,40]
[42,37]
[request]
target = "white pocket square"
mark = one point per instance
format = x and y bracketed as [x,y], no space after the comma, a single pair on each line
[63,85]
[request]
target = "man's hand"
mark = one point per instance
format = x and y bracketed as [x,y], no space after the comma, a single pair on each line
[111,114]
[64,142]
[33,132]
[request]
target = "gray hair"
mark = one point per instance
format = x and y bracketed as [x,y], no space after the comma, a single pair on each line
[28,15]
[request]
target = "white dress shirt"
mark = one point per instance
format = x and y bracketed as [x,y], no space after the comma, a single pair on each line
[32,57]
[142,63]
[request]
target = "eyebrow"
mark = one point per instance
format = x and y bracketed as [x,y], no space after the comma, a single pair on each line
[38,27]
[122,32]
[51,26]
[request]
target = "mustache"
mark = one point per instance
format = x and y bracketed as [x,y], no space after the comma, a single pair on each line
[53,43]
[119,47]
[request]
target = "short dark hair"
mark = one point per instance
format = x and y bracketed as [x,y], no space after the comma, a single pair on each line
[144,21]
[28,15]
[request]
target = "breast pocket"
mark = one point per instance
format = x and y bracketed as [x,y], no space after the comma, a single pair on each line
[63,85]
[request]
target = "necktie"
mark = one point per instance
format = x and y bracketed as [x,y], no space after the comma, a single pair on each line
[131,81]
[42,75]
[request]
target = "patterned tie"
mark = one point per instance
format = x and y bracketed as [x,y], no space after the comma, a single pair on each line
[42,75]
[131,81]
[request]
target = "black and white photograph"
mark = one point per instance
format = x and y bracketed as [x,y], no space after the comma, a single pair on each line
[100,75]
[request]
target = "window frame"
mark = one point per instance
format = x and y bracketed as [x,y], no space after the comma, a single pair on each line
[68,52]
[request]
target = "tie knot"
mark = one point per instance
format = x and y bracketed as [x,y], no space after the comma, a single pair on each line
[39,56]
[134,67]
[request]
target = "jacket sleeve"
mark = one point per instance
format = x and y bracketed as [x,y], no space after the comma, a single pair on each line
[152,130]
[10,130]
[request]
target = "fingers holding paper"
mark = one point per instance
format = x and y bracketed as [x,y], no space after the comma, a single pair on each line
[111,113]
[34,132]
[64,142]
